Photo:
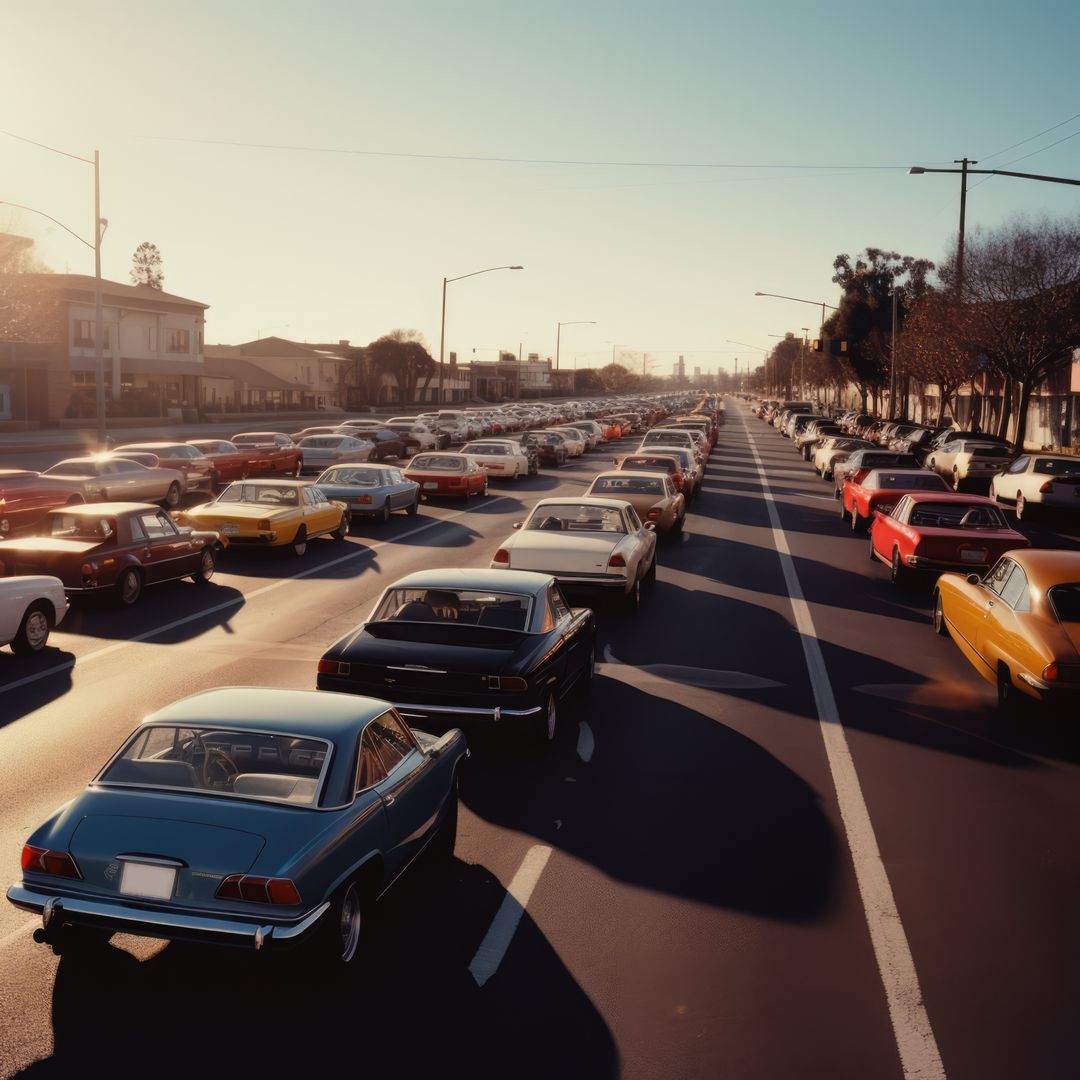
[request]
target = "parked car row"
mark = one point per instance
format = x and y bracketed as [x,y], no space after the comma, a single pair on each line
[1012,610]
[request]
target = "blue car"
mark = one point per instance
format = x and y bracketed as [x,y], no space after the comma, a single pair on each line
[245,816]
[373,491]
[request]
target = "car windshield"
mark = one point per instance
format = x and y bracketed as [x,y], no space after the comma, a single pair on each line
[651,463]
[1058,466]
[487,450]
[957,515]
[987,450]
[276,767]
[575,517]
[262,494]
[323,442]
[72,468]
[1066,601]
[439,463]
[470,607]
[354,477]
[80,527]
[628,485]
[252,439]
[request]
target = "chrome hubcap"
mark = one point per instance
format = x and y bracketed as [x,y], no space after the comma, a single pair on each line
[551,718]
[349,927]
[37,630]
[130,586]
[207,565]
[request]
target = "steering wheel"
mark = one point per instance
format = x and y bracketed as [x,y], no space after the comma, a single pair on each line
[216,758]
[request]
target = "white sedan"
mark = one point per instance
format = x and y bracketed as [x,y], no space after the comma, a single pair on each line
[586,543]
[1051,480]
[968,460]
[30,607]
[499,457]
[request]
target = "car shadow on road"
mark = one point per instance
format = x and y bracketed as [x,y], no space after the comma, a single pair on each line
[410,1009]
[19,701]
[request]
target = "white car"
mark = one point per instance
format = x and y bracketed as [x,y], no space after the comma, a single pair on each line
[574,440]
[1051,480]
[962,461]
[669,437]
[30,607]
[407,425]
[588,543]
[499,457]
[322,451]
[835,448]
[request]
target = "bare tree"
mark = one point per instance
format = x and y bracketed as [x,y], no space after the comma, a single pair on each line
[934,348]
[1022,310]
[146,268]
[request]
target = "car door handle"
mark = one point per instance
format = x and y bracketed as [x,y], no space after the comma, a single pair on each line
[989,603]
[388,800]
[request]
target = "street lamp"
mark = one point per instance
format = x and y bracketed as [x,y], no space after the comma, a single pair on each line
[442,322]
[100,224]
[964,171]
[558,334]
[799,300]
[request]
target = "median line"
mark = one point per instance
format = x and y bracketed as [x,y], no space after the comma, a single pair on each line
[497,940]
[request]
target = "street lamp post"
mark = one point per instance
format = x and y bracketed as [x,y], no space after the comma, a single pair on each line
[817,303]
[442,321]
[558,334]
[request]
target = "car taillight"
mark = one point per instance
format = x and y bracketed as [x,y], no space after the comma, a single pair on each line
[680,481]
[334,667]
[501,556]
[265,525]
[503,682]
[362,498]
[42,861]
[616,560]
[1062,673]
[258,890]
[652,515]
[1048,486]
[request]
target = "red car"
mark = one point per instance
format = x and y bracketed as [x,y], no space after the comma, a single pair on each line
[228,462]
[182,457]
[112,546]
[447,475]
[882,489]
[928,531]
[273,453]
[26,497]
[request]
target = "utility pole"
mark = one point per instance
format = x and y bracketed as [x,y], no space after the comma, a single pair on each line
[892,361]
[99,317]
[963,163]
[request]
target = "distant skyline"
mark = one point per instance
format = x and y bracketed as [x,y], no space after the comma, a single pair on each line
[314,172]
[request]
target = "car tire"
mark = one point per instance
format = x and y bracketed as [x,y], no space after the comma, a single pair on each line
[858,522]
[339,939]
[207,565]
[414,507]
[298,471]
[547,723]
[898,572]
[941,627]
[172,496]
[650,574]
[343,527]
[1021,506]
[299,544]
[129,586]
[843,511]
[1008,697]
[955,480]
[33,633]
[873,553]
[484,489]
[588,673]
[445,839]
[632,600]
[384,515]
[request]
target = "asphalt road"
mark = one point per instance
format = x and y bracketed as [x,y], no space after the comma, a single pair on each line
[686,863]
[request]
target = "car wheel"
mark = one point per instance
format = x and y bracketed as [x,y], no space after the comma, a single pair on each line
[650,574]
[129,586]
[548,722]
[632,600]
[299,544]
[414,507]
[955,480]
[857,520]
[343,527]
[940,626]
[898,572]
[207,564]
[1008,697]
[33,633]
[843,511]
[1021,505]
[484,489]
[298,471]
[588,673]
[444,841]
[343,926]
[873,553]
[172,496]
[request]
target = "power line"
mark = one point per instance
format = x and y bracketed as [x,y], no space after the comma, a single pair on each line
[503,160]
[1024,157]
[43,146]
[1030,138]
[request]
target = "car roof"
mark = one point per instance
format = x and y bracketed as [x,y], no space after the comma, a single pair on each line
[106,509]
[950,496]
[119,450]
[525,581]
[283,482]
[317,713]
[627,474]
[584,500]
[1046,567]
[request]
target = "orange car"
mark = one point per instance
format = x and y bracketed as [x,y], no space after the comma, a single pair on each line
[1019,625]
[651,494]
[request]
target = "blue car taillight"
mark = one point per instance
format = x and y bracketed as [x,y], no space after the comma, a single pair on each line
[254,889]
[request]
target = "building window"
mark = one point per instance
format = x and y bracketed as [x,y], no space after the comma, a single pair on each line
[84,334]
[179,341]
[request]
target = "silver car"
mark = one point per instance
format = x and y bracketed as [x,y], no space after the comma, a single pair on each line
[117,479]
[322,451]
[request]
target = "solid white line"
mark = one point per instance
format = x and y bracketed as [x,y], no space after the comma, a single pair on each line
[586,741]
[919,1055]
[226,604]
[501,932]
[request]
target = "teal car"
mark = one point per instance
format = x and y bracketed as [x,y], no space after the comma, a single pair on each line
[249,817]
[373,491]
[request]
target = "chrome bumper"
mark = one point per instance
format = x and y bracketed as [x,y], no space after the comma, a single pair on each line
[124,918]
[497,713]
[921,562]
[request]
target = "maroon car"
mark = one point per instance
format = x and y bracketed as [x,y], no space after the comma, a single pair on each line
[26,497]
[175,455]
[228,462]
[273,453]
[118,547]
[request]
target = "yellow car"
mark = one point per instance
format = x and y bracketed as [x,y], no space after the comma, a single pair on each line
[1019,625]
[270,513]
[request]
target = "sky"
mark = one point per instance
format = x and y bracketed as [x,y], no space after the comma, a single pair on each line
[315,170]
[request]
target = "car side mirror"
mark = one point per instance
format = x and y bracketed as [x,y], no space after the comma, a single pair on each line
[444,741]
[973,579]
[651,526]
[517,525]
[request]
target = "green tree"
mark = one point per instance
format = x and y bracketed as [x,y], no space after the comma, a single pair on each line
[403,354]
[29,309]
[146,267]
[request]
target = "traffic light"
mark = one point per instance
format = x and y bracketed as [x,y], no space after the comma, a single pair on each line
[817,344]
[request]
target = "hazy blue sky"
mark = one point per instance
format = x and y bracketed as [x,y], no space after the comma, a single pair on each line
[324,246]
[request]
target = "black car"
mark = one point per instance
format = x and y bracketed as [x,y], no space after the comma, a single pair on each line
[550,449]
[460,646]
